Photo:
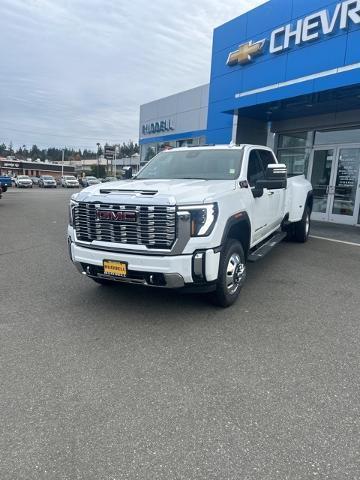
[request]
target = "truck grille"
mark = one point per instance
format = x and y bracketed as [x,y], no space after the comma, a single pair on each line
[153,226]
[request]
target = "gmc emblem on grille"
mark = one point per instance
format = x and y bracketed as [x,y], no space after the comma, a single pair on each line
[116,216]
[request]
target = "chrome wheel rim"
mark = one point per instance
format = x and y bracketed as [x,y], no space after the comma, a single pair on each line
[235,272]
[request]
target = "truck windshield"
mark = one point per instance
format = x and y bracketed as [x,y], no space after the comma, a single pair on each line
[194,164]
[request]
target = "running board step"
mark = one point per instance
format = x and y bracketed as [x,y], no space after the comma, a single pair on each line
[266,247]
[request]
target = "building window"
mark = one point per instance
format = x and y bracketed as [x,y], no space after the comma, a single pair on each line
[186,143]
[331,137]
[292,150]
[149,150]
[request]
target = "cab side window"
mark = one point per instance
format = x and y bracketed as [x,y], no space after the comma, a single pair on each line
[267,158]
[255,168]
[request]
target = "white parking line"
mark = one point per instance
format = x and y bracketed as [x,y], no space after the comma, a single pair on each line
[335,241]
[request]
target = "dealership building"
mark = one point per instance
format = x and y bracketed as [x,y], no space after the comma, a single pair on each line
[286,75]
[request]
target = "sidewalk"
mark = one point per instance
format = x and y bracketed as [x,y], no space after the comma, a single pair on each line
[335,231]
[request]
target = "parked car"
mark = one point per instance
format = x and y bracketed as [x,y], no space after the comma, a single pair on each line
[35,180]
[47,181]
[200,215]
[23,181]
[87,181]
[69,181]
[109,179]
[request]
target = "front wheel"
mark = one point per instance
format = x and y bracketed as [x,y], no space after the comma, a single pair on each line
[300,231]
[232,274]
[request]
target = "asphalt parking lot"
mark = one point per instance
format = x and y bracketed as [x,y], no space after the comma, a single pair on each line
[128,383]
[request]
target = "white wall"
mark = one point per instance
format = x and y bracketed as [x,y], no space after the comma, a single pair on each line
[187,112]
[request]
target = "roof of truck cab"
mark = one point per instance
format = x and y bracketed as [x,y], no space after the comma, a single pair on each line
[216,147]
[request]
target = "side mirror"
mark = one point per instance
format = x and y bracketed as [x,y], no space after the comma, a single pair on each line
[275,177]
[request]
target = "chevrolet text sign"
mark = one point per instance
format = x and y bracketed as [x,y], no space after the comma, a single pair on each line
[304,30]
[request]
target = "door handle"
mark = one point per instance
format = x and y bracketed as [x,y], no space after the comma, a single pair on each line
[270,193]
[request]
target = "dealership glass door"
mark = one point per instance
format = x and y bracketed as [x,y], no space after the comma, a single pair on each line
[335,178]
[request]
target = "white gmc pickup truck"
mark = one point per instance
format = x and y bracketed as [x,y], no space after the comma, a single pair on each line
[191,219]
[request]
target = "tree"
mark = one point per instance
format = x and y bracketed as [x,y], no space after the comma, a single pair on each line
[129,149]
[35,152]
[54,154]
[150,153]
[3,150]
[102,171]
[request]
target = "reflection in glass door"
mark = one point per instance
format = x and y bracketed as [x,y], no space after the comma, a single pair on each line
[320,180]
[345,192]
[335,178]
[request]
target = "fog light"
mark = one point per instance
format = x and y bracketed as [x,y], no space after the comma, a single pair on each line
[199,266]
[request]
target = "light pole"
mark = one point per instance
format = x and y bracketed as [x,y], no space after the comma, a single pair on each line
[114,169]
[97,170]
[62,162]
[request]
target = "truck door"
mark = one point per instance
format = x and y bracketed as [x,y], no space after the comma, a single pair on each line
[276,198]
[259,206]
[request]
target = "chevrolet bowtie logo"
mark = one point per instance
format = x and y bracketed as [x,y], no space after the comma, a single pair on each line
[245,53]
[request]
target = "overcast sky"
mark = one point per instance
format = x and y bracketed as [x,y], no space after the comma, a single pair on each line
[74,72]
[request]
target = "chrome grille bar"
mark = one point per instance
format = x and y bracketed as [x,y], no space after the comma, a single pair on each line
[155,226]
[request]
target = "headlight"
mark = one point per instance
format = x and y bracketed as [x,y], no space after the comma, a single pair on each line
[73,204]
[202,218]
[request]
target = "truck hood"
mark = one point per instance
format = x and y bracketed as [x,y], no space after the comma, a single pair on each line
[166,192]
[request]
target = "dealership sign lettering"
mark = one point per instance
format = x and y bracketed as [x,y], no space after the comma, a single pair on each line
[158,127]
[11,165]
[304,30]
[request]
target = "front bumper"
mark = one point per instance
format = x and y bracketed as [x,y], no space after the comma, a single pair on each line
[198,269]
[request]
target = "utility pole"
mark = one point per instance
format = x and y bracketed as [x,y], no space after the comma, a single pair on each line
[98,146]
[62,162]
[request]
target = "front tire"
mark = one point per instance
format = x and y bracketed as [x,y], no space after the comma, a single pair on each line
[300,231]
[232,274]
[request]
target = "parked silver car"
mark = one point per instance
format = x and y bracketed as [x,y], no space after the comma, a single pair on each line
[47,181]
[35,180]
[87,181]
